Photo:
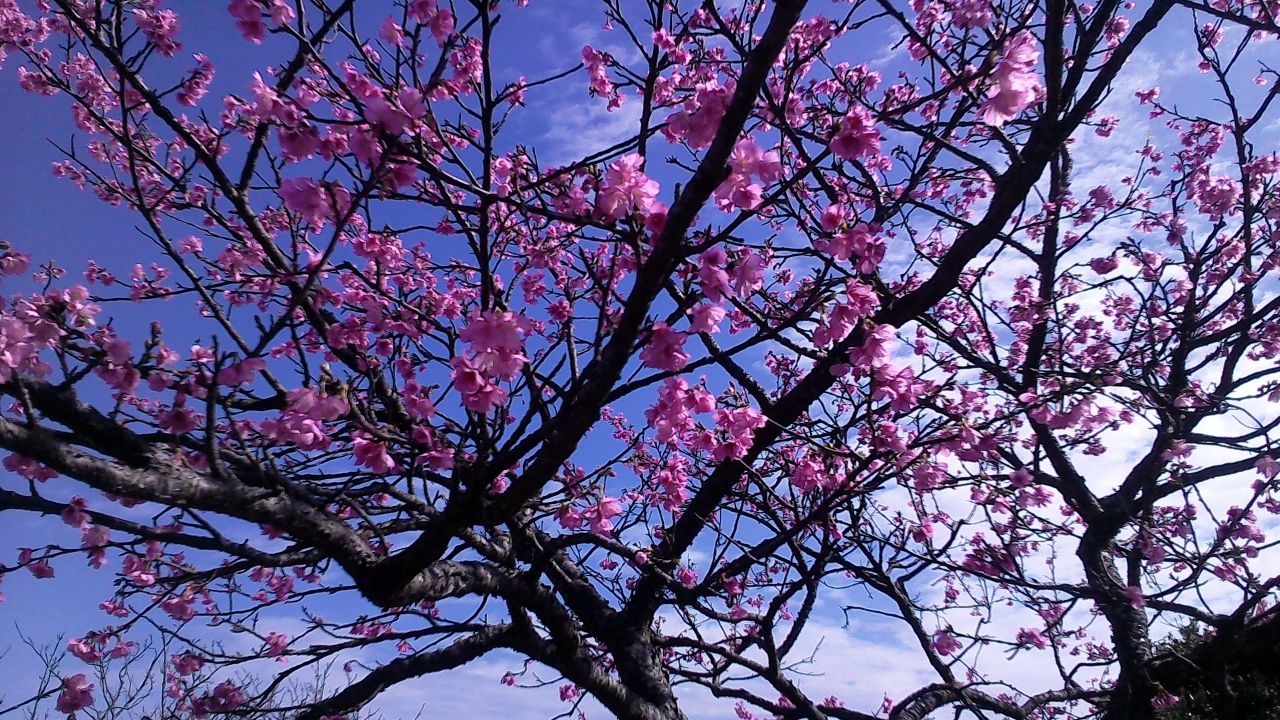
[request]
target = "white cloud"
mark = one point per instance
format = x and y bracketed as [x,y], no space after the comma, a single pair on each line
[582,127]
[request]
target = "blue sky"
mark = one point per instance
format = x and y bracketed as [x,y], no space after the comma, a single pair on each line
[48,217]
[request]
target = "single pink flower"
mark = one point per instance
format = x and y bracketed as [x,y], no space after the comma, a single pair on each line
[74,515]
[84,649]
[857,136]
[944,643]
[186,664]
[479,394]
[1032,636]
[665,350]
[705,318]
[1017,85]
[373,455]
[277,643]
[77,694]
[178,607]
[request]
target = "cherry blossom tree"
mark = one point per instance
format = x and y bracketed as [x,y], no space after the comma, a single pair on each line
[934,312]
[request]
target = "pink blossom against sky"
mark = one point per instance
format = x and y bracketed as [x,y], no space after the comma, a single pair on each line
[48,217]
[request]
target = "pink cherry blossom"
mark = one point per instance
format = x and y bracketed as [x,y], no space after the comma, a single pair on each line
[277,643]
[1017,85]
[317,203]
[597,72]
[94,539]
[496,342]
[138,571]
[85,649]
[747,274]
[391,32]
[858,243]
[687,577]
[875,349]
[74,515]
[186,663]
[160,27]
[857,136]
[972,14]
[665,349]
[699,117]
[224,698]
[1032,636]
[240,372]
[122,648]
[248,17]
[944,643]
[713,278]
[39,568]
[705,317]
[77,694]
[807,475]
[178,607]
[441,374]
[479,394]
[570,518]
[298,429]
[598,515]
[1268,467]
[739,425]
[178,420]
[625,188]
[1104,265]
[439,20]
[373,455]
